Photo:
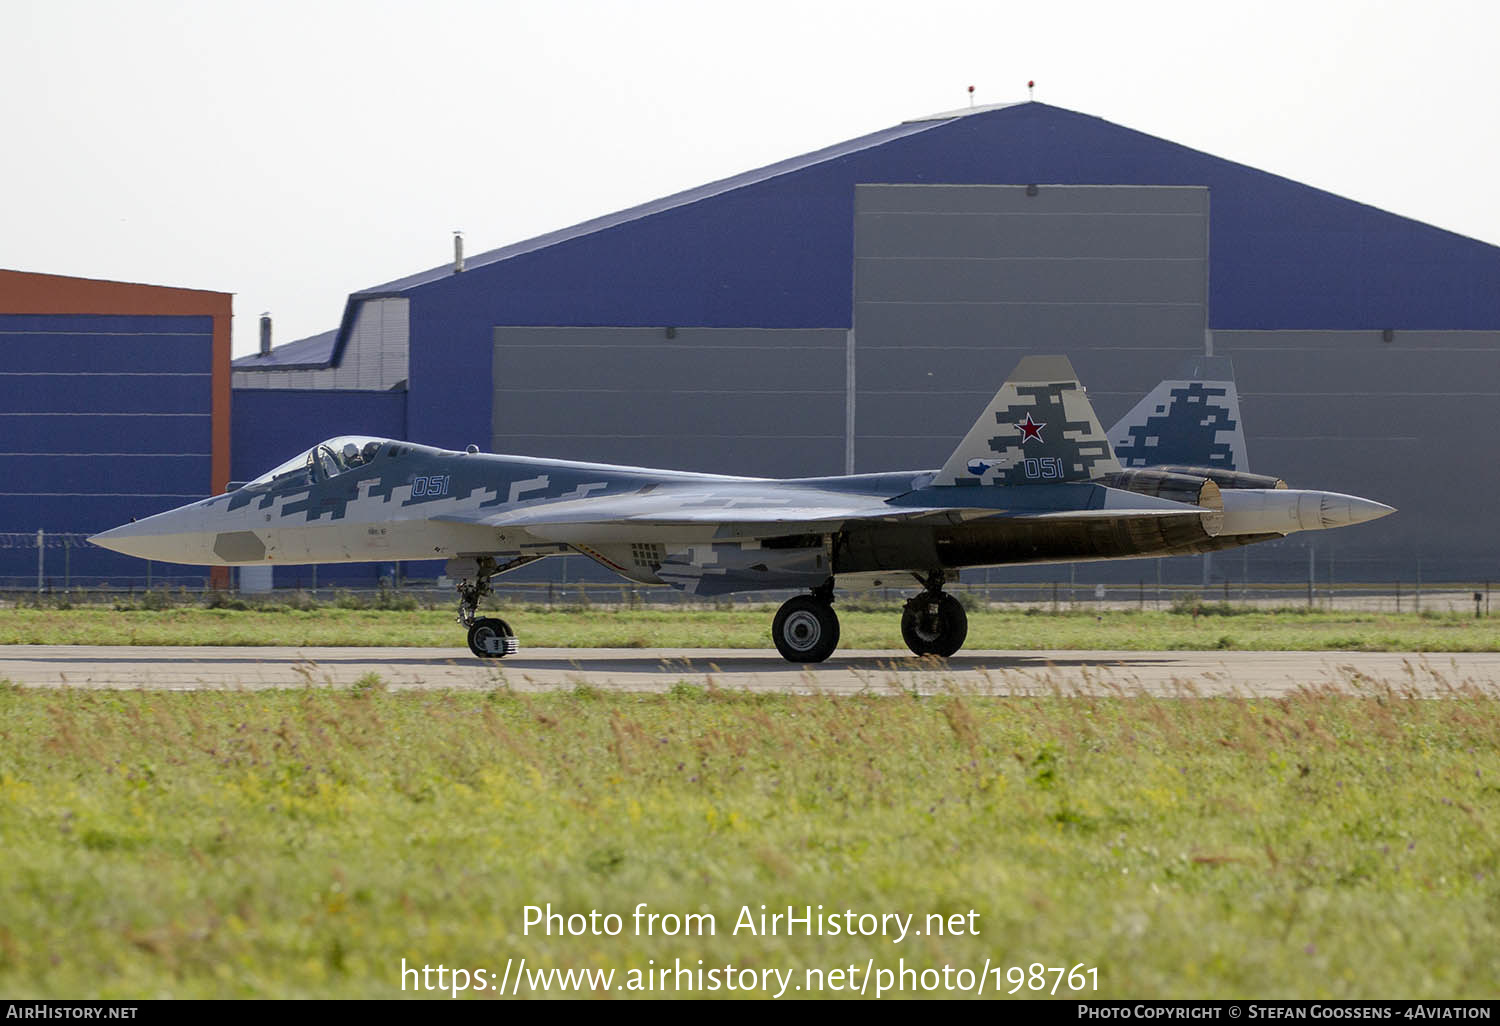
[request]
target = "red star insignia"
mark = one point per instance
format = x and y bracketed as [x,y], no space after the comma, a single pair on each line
[1031,429]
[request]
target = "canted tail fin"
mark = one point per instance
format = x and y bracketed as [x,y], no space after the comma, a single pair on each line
[1039,429]
[1192,418]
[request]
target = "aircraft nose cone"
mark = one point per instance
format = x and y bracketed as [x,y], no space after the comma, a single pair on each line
[1361,510]
[1342,510]
[137,539]
[117,539]
[177,536]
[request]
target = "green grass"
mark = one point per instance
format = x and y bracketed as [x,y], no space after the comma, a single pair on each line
[302,843]
[748,627]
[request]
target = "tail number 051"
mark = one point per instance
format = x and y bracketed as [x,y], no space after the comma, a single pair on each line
[1047,468]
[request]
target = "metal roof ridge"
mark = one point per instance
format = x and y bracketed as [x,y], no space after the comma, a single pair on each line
[672,201]
[963,112]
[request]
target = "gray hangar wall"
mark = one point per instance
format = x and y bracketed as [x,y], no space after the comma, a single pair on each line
[753,401]
[1411,418]
[953,284]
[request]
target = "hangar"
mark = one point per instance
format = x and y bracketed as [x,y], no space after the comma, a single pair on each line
[851,308]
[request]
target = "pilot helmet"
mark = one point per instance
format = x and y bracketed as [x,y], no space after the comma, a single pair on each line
[350,450]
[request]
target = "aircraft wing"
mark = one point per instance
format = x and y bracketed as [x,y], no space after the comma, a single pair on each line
[693,507]
[788,509]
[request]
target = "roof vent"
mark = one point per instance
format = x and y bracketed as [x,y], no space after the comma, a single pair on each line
[458,252]
[265,334]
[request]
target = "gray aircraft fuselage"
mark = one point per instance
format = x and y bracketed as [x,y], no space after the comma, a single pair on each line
[414,502]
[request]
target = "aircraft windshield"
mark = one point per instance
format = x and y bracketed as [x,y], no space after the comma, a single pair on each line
[327,459]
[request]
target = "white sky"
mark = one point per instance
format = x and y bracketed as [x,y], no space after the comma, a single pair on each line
[294,151]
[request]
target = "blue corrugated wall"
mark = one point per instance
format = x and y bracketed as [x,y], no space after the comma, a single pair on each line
[102,418]
[778,253]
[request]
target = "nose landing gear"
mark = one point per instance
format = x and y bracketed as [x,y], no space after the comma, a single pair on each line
[934,622]
[492,638]
[489,637]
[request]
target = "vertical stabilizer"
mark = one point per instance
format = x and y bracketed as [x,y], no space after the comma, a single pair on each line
[1039,429]
[1192,418]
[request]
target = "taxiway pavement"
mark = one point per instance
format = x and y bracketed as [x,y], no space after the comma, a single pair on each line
[992,672]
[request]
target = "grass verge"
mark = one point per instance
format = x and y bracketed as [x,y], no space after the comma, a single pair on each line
[302,843]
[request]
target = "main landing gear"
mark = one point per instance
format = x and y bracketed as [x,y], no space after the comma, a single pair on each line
[806,629]
[489,637]
[934,622]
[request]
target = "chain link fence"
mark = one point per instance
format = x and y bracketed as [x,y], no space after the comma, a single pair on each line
[1394,597]
[53,556]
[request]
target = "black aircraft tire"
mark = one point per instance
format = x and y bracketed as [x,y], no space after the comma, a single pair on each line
[942,638]
[806,630]
[485,629]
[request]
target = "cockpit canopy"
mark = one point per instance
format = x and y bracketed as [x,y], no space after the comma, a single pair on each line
[328,459]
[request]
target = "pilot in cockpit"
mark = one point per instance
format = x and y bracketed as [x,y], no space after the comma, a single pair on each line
[355,456]
[322,462]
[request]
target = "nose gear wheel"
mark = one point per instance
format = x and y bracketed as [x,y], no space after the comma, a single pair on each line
[492,638]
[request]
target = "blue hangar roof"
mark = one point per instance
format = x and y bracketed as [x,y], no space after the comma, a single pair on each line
[304,354]
[773,247]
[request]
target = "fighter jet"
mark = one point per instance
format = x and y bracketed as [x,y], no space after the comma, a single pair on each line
[1036,480]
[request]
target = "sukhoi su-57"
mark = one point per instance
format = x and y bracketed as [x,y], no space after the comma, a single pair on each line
[1035,480]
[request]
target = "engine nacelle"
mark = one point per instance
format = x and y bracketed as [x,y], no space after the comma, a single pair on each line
[1228,478]
[1160,483]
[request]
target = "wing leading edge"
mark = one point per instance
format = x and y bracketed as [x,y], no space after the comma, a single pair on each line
[779,510]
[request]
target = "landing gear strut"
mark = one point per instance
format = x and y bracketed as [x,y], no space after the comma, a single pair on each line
[806,629]
[934,622]
[489,637]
